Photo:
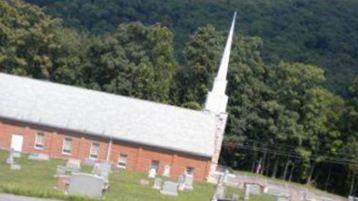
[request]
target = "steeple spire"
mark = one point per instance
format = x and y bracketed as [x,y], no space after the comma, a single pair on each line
[216,101]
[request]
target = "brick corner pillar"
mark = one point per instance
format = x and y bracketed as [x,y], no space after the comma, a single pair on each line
[219,136]
[137,165]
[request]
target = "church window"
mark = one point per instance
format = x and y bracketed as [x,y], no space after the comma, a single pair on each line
[94,150]
[190,170]
[122,161]
[40,141]
[67,145]
[154,165]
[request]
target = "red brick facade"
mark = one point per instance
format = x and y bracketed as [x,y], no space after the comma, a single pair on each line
[139,157]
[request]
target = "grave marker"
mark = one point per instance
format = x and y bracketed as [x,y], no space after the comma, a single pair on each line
[157,183]
[170,188]
[86,185]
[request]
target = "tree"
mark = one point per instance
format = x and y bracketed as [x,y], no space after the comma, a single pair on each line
[35,44]
[194,78]
[136,60]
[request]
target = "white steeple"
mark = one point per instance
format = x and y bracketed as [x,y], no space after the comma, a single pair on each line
[216,101]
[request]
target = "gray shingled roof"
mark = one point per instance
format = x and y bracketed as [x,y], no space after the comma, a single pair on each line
[107,115]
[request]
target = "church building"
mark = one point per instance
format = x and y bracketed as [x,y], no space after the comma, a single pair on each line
[69,122]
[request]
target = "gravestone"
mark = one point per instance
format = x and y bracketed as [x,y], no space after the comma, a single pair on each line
[220,192]
[247,192]
[73,165]
[152,173]
[170,188]
[60,170]
[16,154]
[181,182]
[39,157]
[225,176]
[157,183]
[352,198]
[15,167]
[86,185]
[63,181]
[89,162]
[188,181]
[235,197]
[283,197]
[254,189]
[102,169]
[10,159]
[166,172]
[144,182]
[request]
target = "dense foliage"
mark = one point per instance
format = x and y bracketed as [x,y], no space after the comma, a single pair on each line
[283,120]
[318,32]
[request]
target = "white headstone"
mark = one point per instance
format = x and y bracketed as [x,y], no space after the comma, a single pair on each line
[39,157]
[86,185]
[15,167]
[188,181]
[10,159]
[157,183]
[166,172]
[181,182]
[152,173]
[170,188]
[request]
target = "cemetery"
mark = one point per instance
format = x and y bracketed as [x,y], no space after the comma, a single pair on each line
[37,176]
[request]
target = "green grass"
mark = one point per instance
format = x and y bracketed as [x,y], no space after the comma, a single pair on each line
[36,179]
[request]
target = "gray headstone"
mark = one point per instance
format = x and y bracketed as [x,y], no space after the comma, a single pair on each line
[157,183]
[60,170]
[255,189]
[39,157]
[235,197]
[220,192]
[247,192]
[73,165]
[89,162]
[283,197]
[170,188]
[102,169]
[352,198]
[86,185]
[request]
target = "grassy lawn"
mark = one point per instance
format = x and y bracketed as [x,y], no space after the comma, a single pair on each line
[36,178]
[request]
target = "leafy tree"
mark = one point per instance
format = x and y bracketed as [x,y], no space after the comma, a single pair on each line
[202,54]
[35,44]
[136,60]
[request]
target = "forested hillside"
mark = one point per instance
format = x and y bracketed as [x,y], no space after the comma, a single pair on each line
[282,116]
[310,31]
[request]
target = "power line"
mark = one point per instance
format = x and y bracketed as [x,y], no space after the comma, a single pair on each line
[264,148]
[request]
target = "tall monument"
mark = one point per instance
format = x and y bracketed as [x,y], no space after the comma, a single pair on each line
[217,100]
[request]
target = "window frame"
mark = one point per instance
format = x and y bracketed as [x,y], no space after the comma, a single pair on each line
[158,165]
[189,170]
[63,146]
[37,145]
[90,156]
[124,164]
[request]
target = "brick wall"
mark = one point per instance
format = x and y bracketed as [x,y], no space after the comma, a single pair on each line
[139,157]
